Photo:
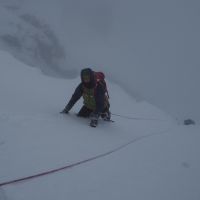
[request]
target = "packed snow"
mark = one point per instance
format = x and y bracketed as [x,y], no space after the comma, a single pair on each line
[151,155]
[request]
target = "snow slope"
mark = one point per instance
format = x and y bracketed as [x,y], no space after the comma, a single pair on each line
[147,157]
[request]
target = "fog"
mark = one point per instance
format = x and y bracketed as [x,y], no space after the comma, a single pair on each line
[150,47]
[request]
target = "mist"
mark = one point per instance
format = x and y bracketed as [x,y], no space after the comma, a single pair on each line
[151,48]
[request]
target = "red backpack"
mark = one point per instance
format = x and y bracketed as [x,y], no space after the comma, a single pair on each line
[100,78]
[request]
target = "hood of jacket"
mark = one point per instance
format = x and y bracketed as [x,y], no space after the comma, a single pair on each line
[88,75]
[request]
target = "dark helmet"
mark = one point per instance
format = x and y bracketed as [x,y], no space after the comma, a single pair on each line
[87,78]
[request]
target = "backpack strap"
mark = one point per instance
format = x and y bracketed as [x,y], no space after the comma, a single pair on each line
[100,78]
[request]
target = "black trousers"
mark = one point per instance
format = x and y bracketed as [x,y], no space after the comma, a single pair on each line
[86,112]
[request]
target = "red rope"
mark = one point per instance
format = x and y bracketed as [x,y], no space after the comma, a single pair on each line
[59,169]
[78,163]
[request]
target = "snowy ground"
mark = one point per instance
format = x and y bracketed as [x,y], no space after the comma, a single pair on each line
[153,157]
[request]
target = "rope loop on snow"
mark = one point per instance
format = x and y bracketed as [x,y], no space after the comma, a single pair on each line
[80,162]
[137,118]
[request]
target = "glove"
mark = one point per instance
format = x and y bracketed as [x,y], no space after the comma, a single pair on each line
[64,111]
[67,108]
[106,116]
